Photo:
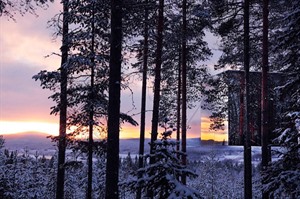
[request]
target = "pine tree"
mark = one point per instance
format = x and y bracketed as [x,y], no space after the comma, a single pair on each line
[63,104]
[281,177]
[144,87]
[157,75]
[9,8]
[161,177]
[76,94]
[112,165]
[184,84]
[197,52]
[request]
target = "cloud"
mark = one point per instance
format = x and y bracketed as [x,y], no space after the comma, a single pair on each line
[24,45]
[22,99]
[28,40]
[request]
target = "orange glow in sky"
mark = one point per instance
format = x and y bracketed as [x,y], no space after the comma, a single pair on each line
[127,131]
[207,134]
[9,127]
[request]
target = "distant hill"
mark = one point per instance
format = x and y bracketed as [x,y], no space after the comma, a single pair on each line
[39,141]
[196,149]
[29,140]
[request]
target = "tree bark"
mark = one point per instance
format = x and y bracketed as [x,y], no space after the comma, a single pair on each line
[112,164]
[264,94]
[60,181]
[178,123]
[157,71]
[247,143]
[143,101]
[91,112]
[157,79]
[184,73]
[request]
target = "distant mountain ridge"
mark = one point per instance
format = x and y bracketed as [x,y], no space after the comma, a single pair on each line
[36,142]
[39,141]
[29,140]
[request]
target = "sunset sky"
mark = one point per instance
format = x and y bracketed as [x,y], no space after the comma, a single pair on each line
[25,107]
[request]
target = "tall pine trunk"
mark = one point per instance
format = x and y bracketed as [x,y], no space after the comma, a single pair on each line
[143,101]
[184,73]
[247,143]
[264,94]
[178,122]
[91,111]
[112,164]
[60,181]
[157,78]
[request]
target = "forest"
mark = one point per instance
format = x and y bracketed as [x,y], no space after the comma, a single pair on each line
[167,40]
[33,176]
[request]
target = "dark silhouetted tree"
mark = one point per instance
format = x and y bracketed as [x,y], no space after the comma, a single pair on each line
[112,165]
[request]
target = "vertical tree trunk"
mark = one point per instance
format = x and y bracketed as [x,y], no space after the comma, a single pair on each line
[60,181]
[157,79]
[178,123]
[157,71]
[247,143]
[264,93]
[184,73]
[112,164]
[242,114]
[91,112]
[143,102]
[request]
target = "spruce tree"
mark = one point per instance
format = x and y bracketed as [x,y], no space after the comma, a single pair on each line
[281,177]
[161,177]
